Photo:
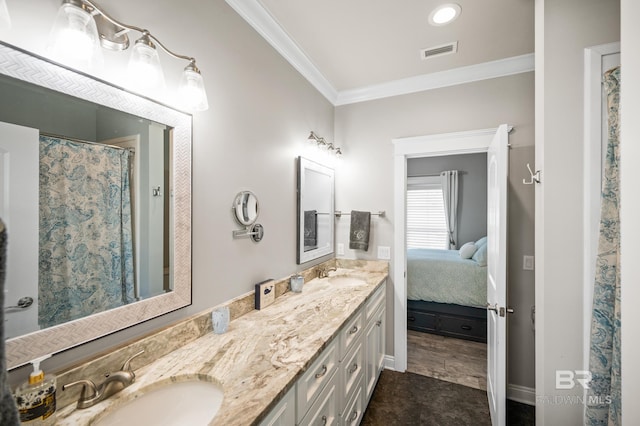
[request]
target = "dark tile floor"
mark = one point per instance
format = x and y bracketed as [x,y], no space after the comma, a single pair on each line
[412,399]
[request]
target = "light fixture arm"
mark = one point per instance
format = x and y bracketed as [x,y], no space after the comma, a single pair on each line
[126,28]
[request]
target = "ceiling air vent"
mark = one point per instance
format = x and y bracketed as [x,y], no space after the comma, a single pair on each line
[445,49]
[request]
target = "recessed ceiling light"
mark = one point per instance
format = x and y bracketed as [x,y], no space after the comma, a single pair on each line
[444,14]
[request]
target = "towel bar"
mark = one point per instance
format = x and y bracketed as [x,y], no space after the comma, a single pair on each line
[381,213]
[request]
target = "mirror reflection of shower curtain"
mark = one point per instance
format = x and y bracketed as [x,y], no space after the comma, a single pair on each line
[604,393]
[85,240]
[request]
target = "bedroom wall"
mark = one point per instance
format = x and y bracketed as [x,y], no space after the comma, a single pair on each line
[564,28]
[472,189]
[364,180]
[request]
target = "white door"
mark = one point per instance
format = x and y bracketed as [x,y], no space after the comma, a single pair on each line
[19,171]
[497,169]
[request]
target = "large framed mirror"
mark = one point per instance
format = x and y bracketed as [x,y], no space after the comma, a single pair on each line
[96,197]
[316,215]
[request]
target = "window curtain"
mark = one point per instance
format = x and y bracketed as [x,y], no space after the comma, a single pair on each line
[85,240]
[449,180]
[604,395]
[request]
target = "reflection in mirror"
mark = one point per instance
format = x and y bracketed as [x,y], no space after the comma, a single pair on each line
[246,208]
[96,197]
[315,210]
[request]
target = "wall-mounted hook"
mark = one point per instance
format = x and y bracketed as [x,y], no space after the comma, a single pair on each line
[535,177]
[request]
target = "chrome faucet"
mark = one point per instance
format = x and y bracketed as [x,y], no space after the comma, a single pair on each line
[113,383]
[323,271]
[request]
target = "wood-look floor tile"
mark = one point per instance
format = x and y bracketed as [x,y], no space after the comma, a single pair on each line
[446,358]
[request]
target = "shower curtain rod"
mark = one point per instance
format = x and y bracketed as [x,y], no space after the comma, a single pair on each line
[53,135]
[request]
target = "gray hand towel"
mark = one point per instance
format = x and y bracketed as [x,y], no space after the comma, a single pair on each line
[8,409]
[359,231]
[310,229]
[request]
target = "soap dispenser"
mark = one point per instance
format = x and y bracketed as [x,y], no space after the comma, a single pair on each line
[36,398]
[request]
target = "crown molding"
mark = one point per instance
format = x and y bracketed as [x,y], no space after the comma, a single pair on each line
[257,16]
[452,77]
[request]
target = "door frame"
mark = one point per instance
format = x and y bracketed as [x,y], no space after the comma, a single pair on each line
[469,142]
[593,134]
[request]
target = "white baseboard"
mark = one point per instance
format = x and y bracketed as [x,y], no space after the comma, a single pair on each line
[521,394]
[389,363]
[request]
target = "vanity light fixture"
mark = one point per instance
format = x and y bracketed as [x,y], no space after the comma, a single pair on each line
[82,26]
[323,144]
[444,14]
[5,18]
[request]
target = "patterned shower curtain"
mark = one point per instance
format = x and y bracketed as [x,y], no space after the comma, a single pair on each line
[85,247]
[604,395]
[449,181]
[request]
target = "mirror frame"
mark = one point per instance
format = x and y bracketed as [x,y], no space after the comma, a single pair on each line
[30,68]
[306,256]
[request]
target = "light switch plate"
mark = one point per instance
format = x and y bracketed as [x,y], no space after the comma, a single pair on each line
[340,249]
[265,294]
[527,263]
[384,252]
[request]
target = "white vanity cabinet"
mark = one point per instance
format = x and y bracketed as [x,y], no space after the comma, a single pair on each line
[374,337]
[337,387]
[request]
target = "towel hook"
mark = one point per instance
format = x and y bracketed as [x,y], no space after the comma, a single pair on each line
[535,177]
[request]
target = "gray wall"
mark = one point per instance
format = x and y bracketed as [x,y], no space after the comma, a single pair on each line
[364,179]
[261,112]
[472,189]
[564,29]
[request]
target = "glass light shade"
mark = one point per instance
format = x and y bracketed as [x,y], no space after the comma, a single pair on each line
[5,19]
[191,92]
[144,71]
[74,38]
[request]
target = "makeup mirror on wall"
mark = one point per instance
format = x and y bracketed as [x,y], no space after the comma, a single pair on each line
[96,196]
[315,219]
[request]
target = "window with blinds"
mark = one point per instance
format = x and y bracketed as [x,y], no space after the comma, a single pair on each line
[426,223]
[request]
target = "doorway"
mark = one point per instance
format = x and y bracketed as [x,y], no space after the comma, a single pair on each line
[494,142]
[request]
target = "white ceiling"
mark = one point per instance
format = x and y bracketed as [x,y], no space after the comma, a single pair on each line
[355,44]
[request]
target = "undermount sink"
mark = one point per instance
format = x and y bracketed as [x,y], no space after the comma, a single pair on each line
[191,402]
[347,281]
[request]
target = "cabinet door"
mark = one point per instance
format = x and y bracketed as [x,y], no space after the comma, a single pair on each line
[379,321]
[284,414]
[374,336]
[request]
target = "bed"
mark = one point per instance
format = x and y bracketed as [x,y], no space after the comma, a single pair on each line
[447,292]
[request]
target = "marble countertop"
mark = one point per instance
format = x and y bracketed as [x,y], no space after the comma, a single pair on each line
[261,355]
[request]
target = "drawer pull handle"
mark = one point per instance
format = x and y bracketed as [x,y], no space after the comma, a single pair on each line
[411,318]
[465,327]
[353,417]
[323,372]
[379,323]
[354,330]
[353,368]
[324,420]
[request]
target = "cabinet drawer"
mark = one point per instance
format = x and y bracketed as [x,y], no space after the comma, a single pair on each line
[375,302]
[314,380]
[350,334]
[463,326]
[324,410]
[421,321]
[352,370]
[355,407]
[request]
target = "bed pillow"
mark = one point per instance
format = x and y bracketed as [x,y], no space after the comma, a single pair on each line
[480,256]
[482,241]
[467,250]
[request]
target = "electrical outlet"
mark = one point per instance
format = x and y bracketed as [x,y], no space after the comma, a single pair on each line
[384,252]
[340,249]
[265,294]
[528,263]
